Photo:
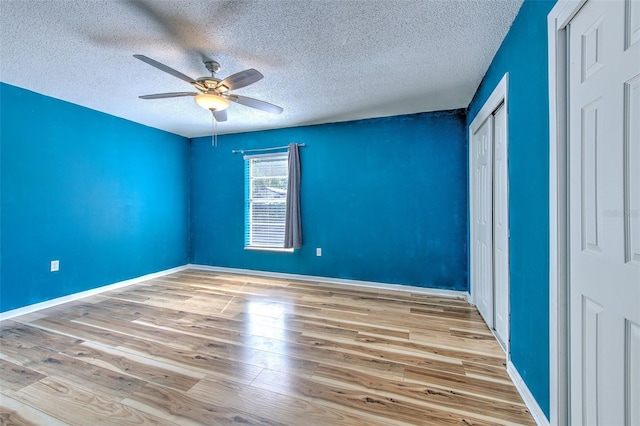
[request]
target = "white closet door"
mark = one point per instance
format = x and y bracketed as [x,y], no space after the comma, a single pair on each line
[483,222]
[604,220]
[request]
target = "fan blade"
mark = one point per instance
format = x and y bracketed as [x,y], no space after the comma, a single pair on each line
[240,79]
[167,95]
[220,115]
[168,70]
[255,103]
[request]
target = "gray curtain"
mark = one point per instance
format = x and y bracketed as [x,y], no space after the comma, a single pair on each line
[293,225]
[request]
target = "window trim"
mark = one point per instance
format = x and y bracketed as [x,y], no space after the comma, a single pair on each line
[247,202]
[272,249]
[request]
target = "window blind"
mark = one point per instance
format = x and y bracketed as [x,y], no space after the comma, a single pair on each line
[266,196]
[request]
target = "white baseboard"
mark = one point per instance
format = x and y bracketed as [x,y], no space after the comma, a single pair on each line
[75,296]
[327,280]
[531,403]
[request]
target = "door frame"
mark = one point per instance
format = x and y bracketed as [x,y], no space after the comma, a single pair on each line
[557,23]
[497,97]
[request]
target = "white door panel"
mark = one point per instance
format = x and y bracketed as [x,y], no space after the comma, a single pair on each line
[500,225]
[483,226]
[632,171]
[604,231]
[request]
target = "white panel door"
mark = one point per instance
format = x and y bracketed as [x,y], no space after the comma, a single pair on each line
[483,223]
[604,221]
[500,226]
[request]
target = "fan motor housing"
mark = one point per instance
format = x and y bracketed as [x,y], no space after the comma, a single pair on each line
[208,82]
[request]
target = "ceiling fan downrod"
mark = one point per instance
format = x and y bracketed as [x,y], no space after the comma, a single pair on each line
[213,67]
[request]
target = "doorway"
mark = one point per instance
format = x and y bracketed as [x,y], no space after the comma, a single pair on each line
[489,213]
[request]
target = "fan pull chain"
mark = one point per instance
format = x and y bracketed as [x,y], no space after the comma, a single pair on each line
[214,133]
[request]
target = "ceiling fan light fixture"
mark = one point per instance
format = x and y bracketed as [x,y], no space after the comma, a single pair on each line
[211,101]
[214,93]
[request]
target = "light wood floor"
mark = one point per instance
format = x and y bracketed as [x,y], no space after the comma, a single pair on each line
[207,348]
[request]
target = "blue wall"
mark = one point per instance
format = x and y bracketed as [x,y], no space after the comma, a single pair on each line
[107,197]
[523,55]
[385,199]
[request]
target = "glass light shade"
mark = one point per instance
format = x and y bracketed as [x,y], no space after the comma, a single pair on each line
[212,101]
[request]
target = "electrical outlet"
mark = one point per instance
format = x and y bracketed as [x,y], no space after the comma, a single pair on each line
[55,265]
[318,252]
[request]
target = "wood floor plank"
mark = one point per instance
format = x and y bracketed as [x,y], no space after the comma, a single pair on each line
[471,385]
[180,407]
[80,331]
[124,310]
[195,361]
[202,348]
[453,400]
[486,372]
[300,321]
[279,407]
[80,405]
[15,377]
[17,413]
[445,339]
[334,356]
[401,357]
[441,351]
[364,402]
[142,368]
[175,353]
[22,333]
[50,363]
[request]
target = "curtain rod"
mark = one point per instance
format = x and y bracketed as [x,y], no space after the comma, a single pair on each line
[242,151]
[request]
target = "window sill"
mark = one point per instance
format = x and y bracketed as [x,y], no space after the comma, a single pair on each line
[271,249]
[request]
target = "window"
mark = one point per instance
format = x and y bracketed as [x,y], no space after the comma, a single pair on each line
[266,198]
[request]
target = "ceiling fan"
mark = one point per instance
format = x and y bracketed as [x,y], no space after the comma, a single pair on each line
[213,93]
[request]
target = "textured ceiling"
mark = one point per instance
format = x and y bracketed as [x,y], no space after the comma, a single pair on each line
[323,60]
